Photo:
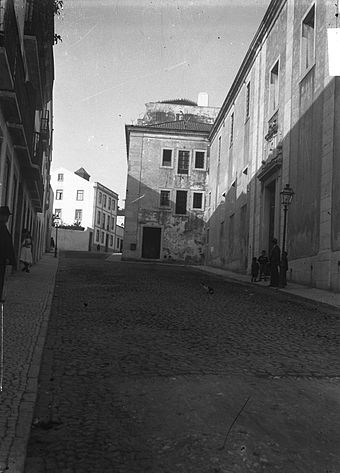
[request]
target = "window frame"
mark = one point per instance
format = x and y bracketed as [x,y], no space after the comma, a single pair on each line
[247,101]
[172,158]
[80,192]
[186,202]
[160,199]
[60,175]
[78,219]
[189,158]
[271,108]
[305,68]
[204,162]
[59,194]
[192,200]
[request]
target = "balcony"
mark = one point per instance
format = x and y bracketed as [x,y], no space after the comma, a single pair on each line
[38,41]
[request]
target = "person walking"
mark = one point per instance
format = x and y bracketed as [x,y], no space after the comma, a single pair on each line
[275,258]
[26,251]
[283,269]
[7,253]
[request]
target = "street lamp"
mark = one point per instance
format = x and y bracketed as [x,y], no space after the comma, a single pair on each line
[286,194]
[56,223]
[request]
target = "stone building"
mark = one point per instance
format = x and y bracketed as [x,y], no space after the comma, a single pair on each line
[278,125]
[79,201]
[168,162]
[26,83]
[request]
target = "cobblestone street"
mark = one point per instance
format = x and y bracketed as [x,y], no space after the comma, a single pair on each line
[144,371]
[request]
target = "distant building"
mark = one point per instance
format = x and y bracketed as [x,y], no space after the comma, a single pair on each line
[26,85]
[168,161]
[79,201]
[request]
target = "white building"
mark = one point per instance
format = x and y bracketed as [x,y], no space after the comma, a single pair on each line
[79,201]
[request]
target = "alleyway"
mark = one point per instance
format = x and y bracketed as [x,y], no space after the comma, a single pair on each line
[144,371]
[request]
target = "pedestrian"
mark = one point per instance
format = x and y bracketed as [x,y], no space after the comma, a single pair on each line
[52,243]
[275,258]
[7,253]
[284,269]
[255,268]
[26,251]
[263,261]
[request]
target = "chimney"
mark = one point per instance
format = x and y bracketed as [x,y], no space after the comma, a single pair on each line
[203,99]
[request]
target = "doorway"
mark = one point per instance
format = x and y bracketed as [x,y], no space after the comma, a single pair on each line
[271,207]
[151,246]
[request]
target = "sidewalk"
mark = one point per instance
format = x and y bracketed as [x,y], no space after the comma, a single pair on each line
[311,293]
[26,314]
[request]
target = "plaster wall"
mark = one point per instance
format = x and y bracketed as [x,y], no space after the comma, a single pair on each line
[181,238]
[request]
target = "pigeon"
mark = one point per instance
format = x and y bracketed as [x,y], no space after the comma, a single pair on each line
[207,288]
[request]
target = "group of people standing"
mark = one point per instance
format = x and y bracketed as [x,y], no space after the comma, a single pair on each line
[7,253]
[274,268]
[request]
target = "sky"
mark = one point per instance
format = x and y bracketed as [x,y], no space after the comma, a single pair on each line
[118,55]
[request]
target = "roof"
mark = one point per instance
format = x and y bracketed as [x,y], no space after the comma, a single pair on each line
[183,125]
[180,102]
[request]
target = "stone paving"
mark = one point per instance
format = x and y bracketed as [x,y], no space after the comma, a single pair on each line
[26,313]
[144,371]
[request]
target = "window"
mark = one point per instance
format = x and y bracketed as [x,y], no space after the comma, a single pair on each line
[308,40]
[109,205]
[100,197]
[60,177]
[183,162]
[57,213]
[197,201]
[167,158]
[181,202]
[80,195]
[231,129]
[58,194]
[113,204]
[97,235]
[164,199]
[102,237]
[78,215]
[199,159]
[112,223]
[103,220]
[111,240]
[118,242]
[108,223]
[104,200]
[98,217]
[274,88]
[247,100]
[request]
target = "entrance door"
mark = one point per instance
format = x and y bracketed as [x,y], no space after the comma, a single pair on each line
[271,189]
[151,246]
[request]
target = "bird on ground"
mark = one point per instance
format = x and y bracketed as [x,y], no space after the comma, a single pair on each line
[207,288]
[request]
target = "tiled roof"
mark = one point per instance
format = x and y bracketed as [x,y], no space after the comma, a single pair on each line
[183,125]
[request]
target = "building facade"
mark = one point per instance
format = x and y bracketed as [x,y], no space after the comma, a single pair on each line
[278,125]
[166,186]
[91,205]
[26,110]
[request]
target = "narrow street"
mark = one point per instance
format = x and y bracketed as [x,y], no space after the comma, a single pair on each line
[144,371]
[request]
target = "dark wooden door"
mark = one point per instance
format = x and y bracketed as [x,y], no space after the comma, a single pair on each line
[151,246]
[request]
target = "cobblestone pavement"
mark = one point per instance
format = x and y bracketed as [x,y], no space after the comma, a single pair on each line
[144,371]
[26,312]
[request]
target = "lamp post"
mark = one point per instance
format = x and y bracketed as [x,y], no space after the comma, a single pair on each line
[56,223]
[286,194]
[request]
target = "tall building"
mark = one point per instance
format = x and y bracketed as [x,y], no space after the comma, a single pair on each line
[279,125]
[166,185]
[26,83]
[79,201]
